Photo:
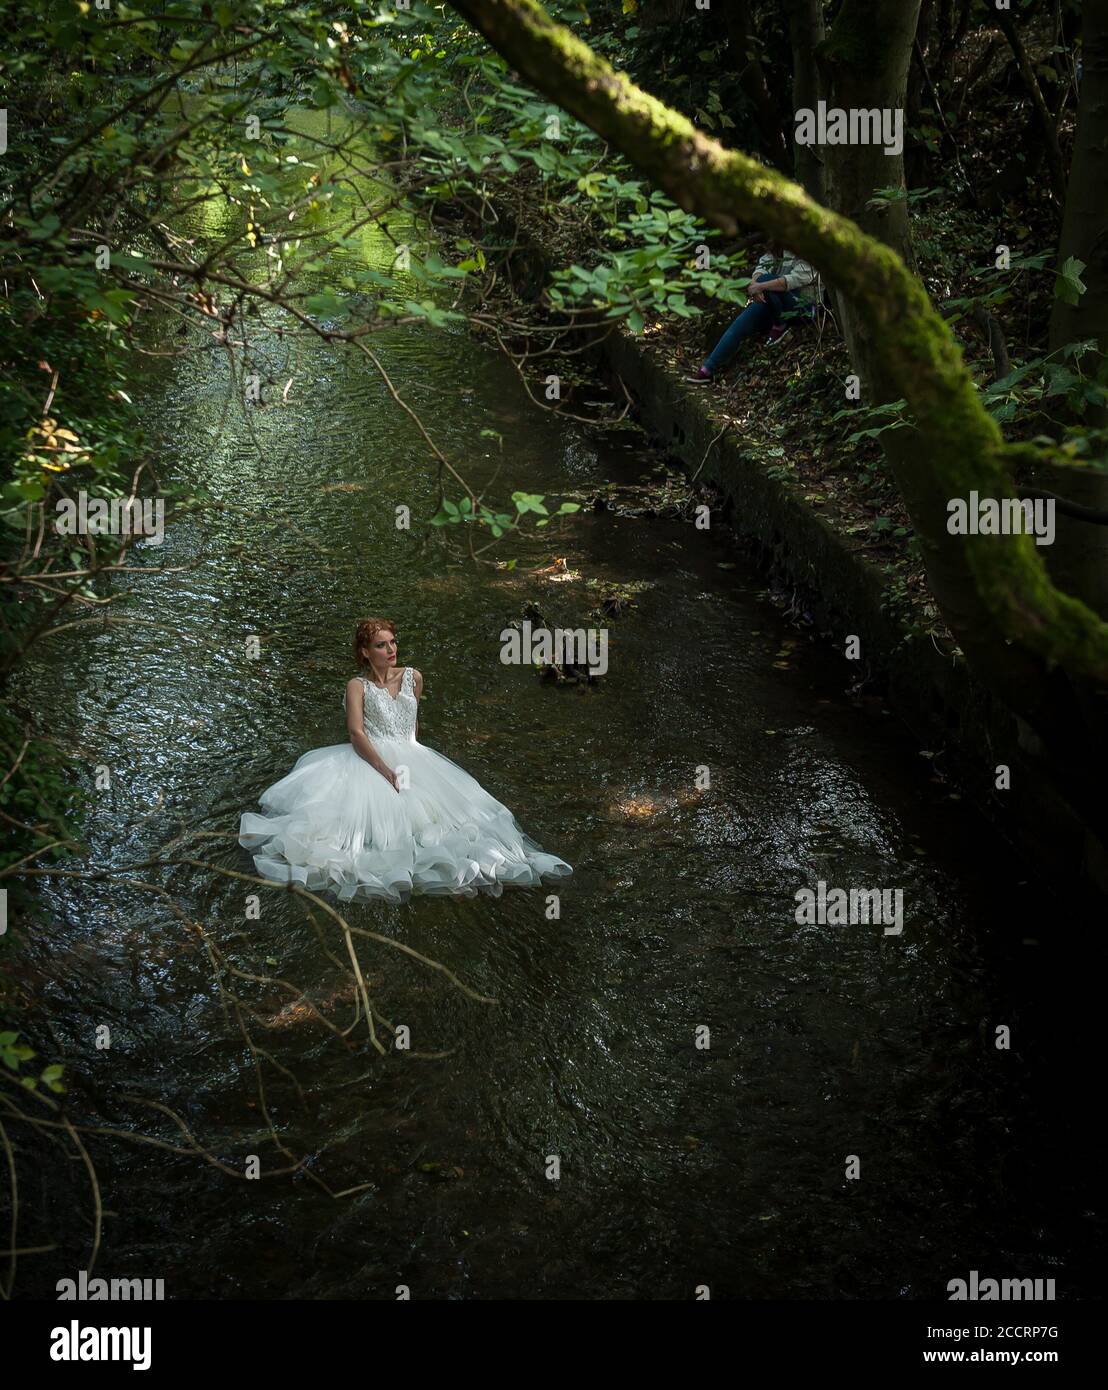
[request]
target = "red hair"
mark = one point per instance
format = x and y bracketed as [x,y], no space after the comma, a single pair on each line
[364,634]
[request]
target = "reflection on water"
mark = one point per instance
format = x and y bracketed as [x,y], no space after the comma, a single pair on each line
[680,1165]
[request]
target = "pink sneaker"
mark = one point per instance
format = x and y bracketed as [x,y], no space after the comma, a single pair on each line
[777,332]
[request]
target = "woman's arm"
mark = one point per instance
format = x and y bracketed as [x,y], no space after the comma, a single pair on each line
[355,727]
[799,276]
[417,679]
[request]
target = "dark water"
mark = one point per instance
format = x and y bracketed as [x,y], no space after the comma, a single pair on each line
[680,1166]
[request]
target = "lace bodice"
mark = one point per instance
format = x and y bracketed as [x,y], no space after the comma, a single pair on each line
[386,718]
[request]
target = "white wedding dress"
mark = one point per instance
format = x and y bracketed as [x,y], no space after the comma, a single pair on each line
[335,823]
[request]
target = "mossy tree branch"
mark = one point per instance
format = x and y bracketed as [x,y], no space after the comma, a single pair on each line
[960,442]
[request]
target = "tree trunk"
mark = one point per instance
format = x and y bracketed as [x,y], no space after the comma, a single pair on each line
[1085,220]
[916,158]
[1078,560]
[806,34]
[864,63]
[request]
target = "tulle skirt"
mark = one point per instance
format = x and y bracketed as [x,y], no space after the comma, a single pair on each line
[334,823]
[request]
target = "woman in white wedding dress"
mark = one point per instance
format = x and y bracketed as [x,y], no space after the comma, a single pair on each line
[383,816]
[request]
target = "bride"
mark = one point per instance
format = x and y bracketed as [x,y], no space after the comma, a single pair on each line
[383,816]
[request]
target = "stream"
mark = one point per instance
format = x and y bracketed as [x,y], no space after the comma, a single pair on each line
[680,1165]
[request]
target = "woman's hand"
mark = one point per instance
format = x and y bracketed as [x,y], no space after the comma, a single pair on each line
[758,289]
[390,776]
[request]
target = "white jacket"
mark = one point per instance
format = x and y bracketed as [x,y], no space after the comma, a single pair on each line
[798,275]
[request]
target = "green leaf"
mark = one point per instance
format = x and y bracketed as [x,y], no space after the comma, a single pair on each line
[125,261]
[529,502]
[1069,286]
[325,305]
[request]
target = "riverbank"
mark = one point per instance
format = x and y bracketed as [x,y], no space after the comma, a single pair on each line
[869,602]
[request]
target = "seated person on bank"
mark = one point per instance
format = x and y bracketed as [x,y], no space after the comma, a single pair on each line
[782,286]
